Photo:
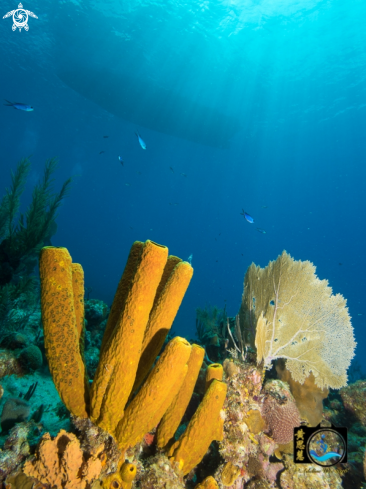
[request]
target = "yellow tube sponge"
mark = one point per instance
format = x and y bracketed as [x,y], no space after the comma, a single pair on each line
[205,426]
[177,275]
[78,291]
[119,359]
[213,371]
[122,291]
[146,408]
[208,483]
[174,413]
[60,330]
[122,479]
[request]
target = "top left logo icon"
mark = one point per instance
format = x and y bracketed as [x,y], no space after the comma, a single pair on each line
[20,18]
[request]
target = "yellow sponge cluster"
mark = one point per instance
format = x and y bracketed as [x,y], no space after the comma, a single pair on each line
[148,297]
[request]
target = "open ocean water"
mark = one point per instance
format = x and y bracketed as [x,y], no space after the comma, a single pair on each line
[255,105]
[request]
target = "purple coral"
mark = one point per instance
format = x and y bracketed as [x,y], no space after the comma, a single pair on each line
[280,412]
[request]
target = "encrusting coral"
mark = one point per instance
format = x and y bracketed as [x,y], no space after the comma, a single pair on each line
[296,317]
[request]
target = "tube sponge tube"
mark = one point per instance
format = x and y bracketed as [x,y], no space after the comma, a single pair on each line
[78,291]
[205,426]
[122,479]
[146,408]
[173,285]
[128,473]
[120,356]
[213,371]
[60,329]
[175,412]
[122,291]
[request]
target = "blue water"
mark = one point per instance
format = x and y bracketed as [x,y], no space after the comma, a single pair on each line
[294,75]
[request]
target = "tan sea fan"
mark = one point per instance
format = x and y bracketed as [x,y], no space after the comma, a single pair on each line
[299,319]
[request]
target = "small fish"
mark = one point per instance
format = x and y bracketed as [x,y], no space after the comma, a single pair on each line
[140,140]
[171,169]
[101,152]
[247,217]
[105,137]
[189,259]
[127,184]
[184,174]
[16,105]
[261,231]
[339,263]
[120,160]
[264,206]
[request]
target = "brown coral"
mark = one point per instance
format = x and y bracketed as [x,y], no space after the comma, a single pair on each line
[60,462]
[280,411]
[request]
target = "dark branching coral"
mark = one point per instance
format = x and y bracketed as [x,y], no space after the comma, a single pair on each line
[21,240]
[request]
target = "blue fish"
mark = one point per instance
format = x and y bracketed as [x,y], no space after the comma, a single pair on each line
[120,160]
[141,141]
[247,217]
[261,231]
[16,105]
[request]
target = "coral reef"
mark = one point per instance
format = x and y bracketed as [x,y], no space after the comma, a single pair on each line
[160,474]
[17,447]
[245,445]
[181,421]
